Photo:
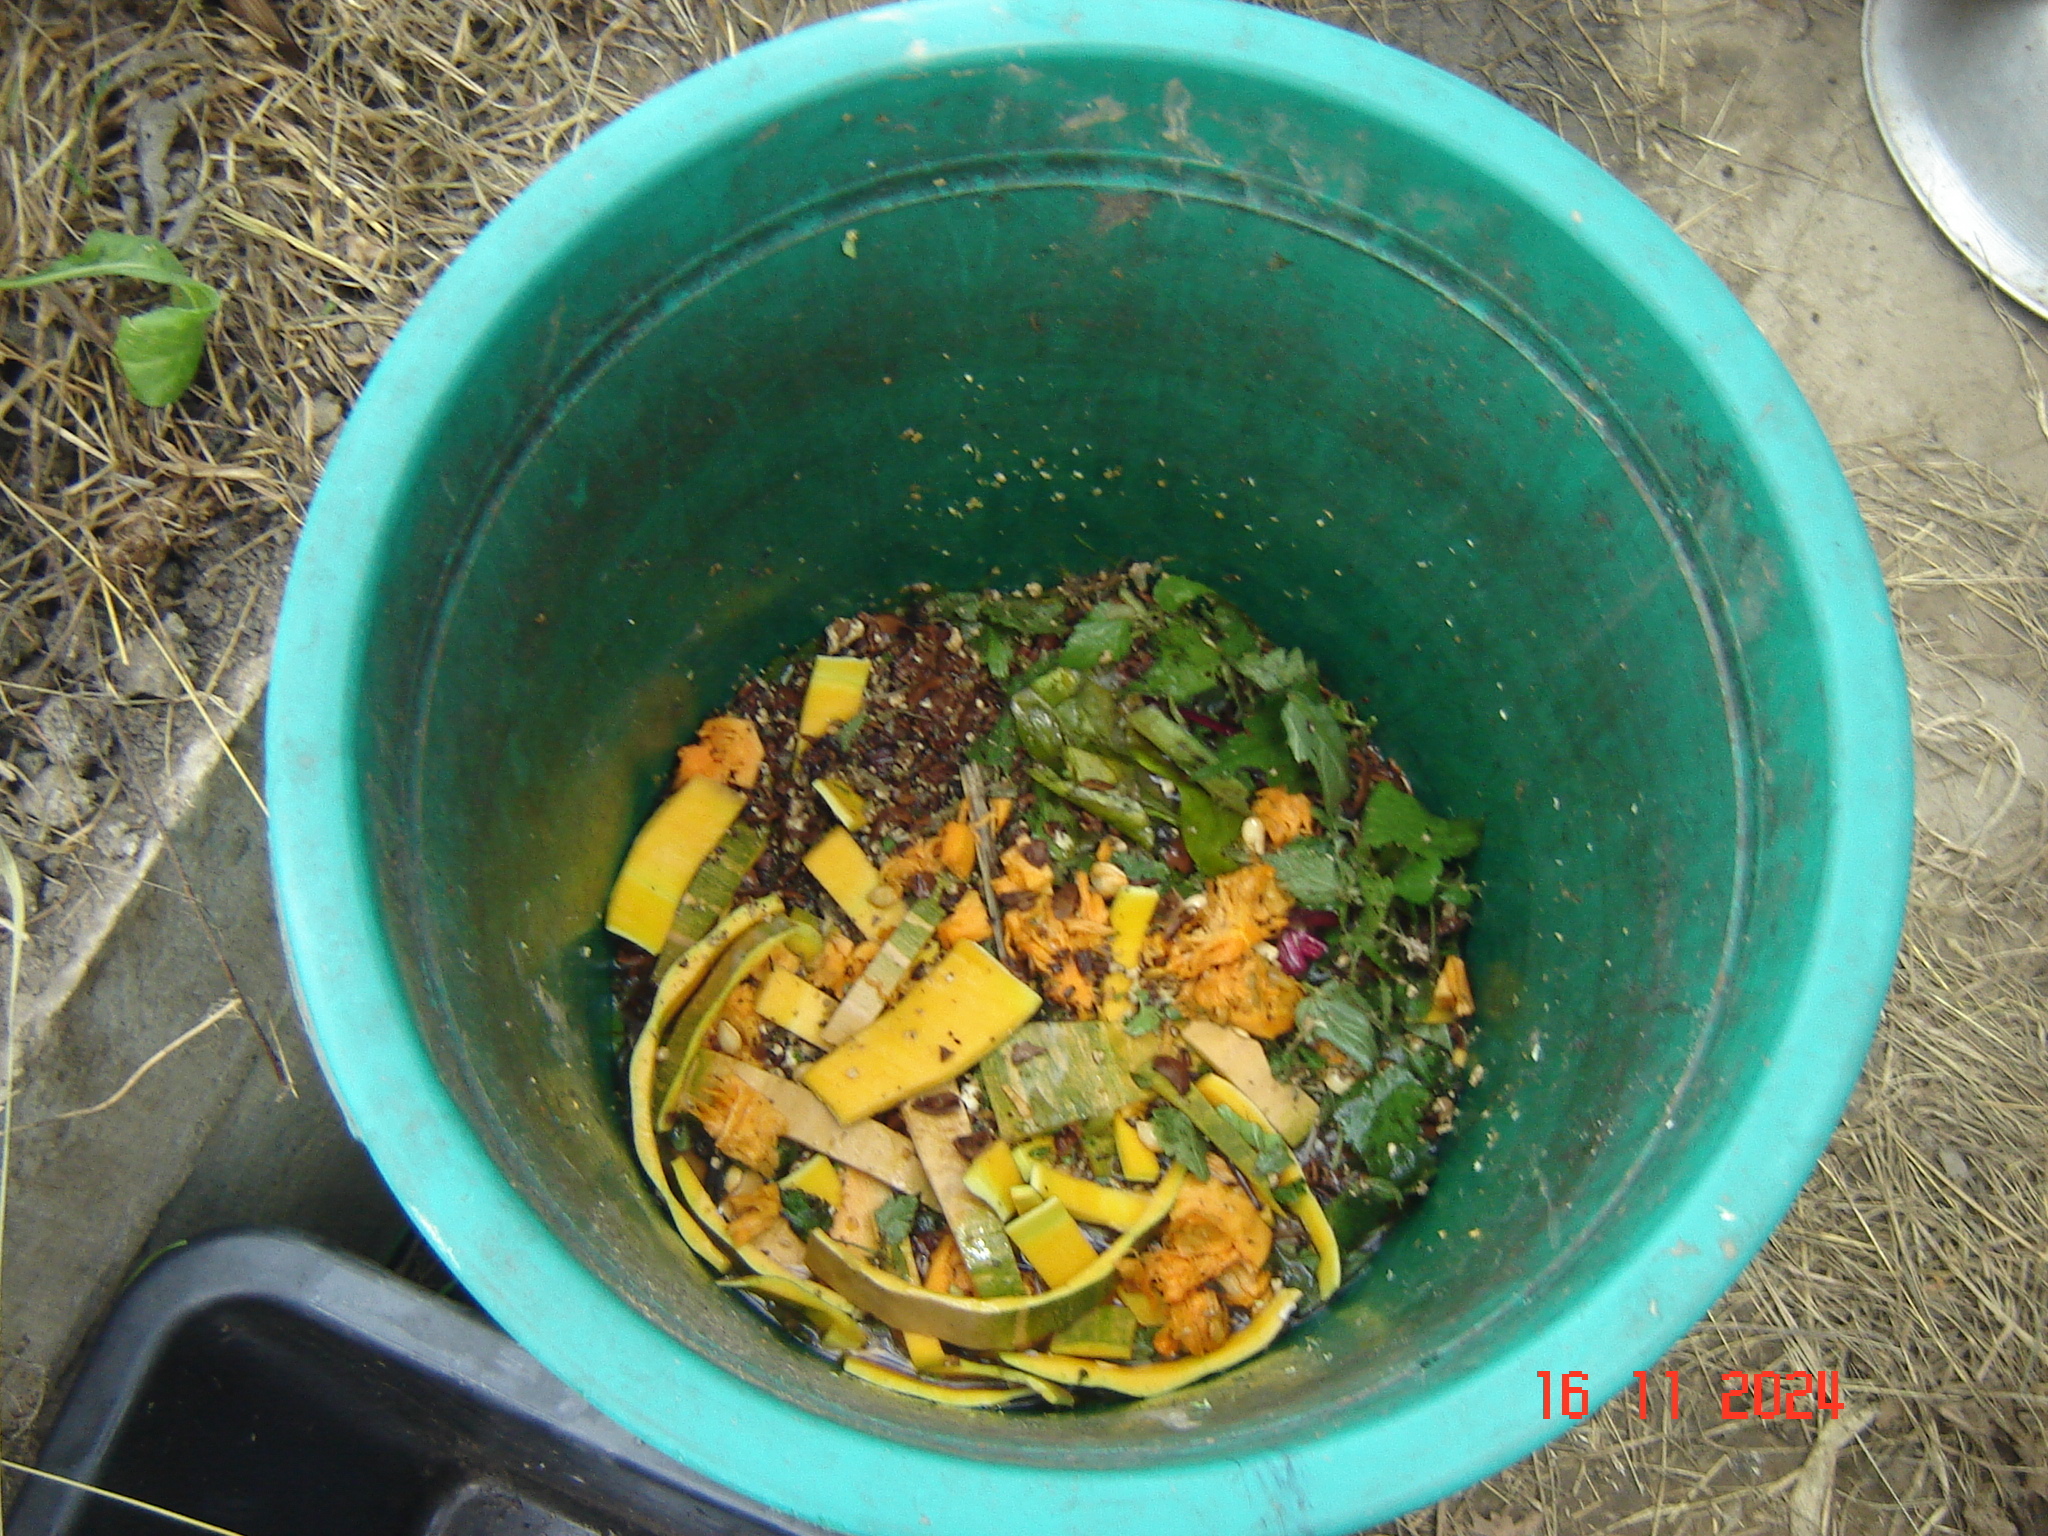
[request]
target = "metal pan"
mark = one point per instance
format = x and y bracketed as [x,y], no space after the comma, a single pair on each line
[1960,91]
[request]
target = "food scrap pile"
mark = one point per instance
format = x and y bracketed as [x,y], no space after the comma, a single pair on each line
[1042,991]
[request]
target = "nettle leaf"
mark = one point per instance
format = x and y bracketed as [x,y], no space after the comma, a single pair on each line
[893,1218]
[1416,880]
[1339,1013]
[1179,1139]
[1396,819]
[1186,663]
[1102,638]
[1172,593]
[1276,671]
[1312,872]
[1316,737]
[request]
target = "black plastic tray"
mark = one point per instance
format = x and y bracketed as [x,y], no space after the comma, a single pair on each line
[266,1383]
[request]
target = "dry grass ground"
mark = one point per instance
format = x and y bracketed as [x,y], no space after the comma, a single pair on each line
[141,555]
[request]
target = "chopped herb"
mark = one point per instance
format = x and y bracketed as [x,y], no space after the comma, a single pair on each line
[1394,819]
[1024,615]
[1262,745]
[1310,870]
[1381,1121]
[806,1212]
[893,1219]
[1271,1155]
[1104,637]
[998,748]
[1416,880]
[1338,1012]
[1172,593]
[1179,1140]
[1186,664]
[1141,867]
[1277,671]
[1144,1021]
[997,653]
[1234,634]
[1316,738]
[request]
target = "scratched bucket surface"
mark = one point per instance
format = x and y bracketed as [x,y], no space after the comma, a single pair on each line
[1416,384]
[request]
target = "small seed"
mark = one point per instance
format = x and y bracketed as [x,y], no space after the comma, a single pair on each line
[884,895]
[728,1038]
[1254,834]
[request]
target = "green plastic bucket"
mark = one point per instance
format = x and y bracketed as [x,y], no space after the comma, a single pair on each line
[971,292]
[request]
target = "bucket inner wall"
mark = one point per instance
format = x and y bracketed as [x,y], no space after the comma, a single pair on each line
[1324,366]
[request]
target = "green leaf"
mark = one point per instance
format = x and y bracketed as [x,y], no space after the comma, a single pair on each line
[997,748]
[159,351]
[960,607]
[1316,737]
[110,253]
[1416,880]
[1144,1021]
[1104,637]
[1172,593]
[1141,867]
[1311,871]
[1357,1213]
[1207,830]
[1171,737]
[1024,615]
[998,653]
[1230,792]
[1120,810]
[1396,819]
[1185,665]
[1262,745]
[1277,671]
[893,1218]
[1271,1155]
[1234,634]
[806,1212]
[1338,1012]
[1179,1139]
[1381,1121]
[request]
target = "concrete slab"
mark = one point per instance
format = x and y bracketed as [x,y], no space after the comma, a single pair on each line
[211,1137]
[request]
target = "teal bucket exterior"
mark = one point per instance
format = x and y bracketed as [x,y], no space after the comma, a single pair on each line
[1423,388]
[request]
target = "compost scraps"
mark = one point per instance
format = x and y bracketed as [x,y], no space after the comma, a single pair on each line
[1041,993]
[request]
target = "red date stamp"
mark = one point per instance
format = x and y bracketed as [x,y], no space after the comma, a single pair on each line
[1744,1394]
